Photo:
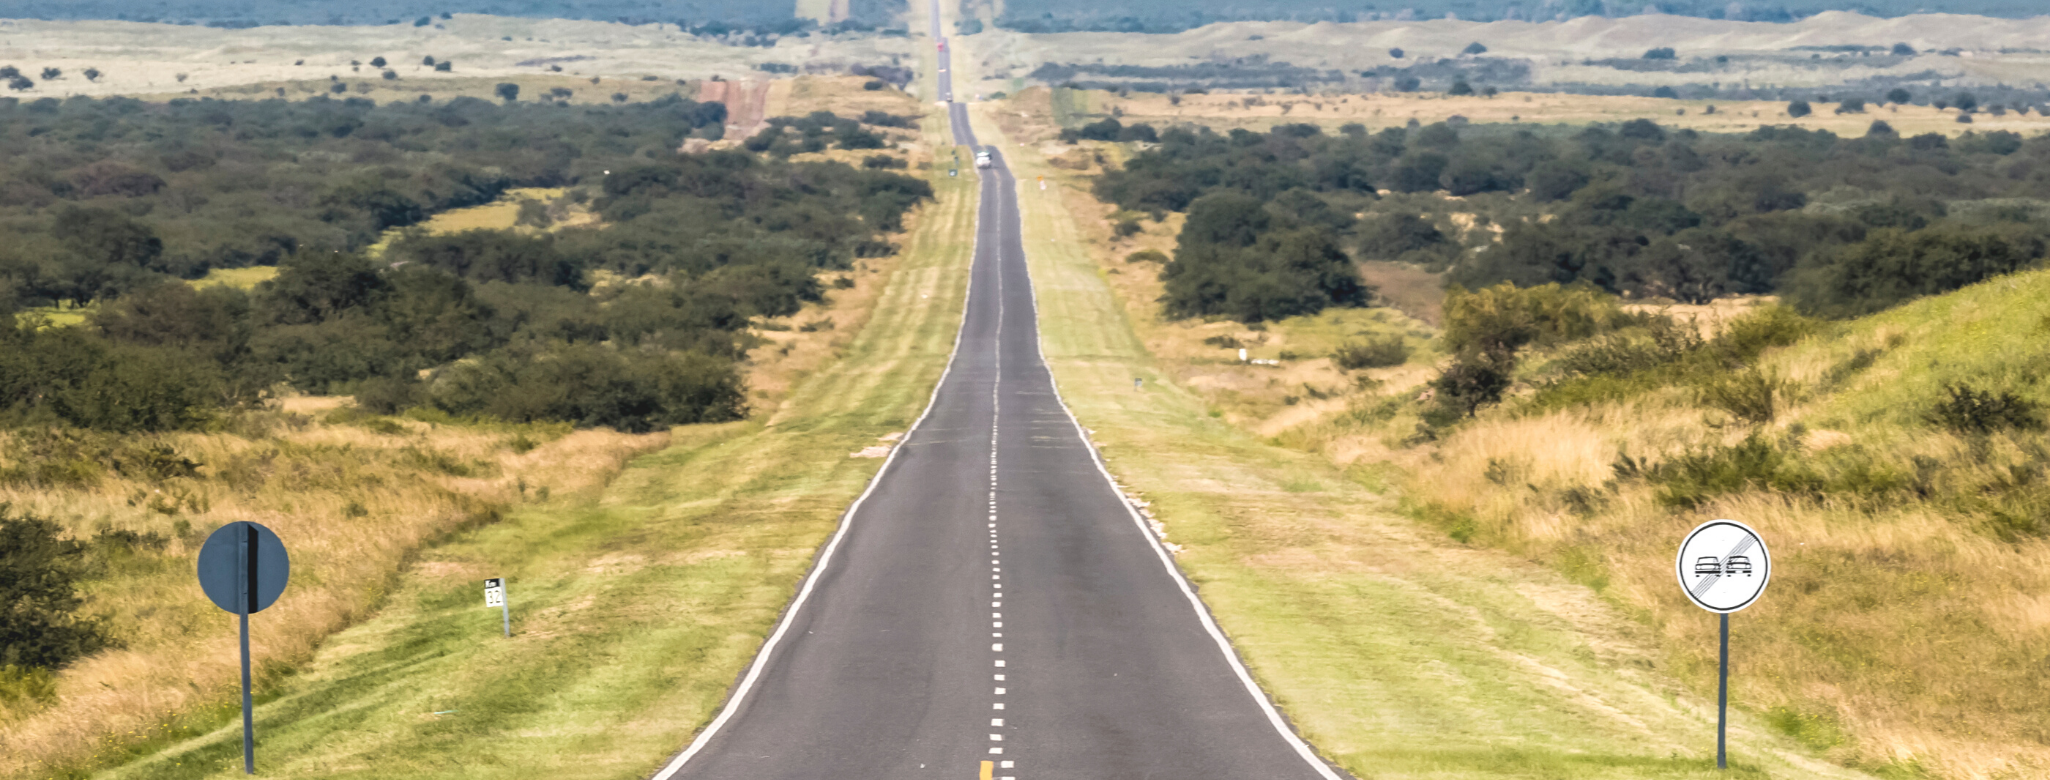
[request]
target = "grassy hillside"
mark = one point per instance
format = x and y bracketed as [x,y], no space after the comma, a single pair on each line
[1904,621]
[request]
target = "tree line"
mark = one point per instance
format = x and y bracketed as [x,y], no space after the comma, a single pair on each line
[488,323]
[1839,226]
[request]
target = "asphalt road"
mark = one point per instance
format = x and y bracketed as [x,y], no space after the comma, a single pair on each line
[993,599]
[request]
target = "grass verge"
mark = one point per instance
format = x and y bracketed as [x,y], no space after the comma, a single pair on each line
[635,606]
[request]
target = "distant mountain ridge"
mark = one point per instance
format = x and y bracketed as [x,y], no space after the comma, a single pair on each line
[1164,16]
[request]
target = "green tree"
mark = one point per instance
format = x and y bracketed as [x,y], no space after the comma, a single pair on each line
[1899,96]
[1661,53]
[40,624]
[508,92]
[1474,49]
[107,237]
[1799,108]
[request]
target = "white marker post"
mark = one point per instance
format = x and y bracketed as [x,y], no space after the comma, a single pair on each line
[494,596]
[1723,567]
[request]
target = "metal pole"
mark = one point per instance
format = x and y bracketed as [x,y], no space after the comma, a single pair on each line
[248,726]
[248,604]
[1722,700]
[505,609]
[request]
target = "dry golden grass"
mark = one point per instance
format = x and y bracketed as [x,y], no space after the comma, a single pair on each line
[169,59]
[353,502]
[1224,110]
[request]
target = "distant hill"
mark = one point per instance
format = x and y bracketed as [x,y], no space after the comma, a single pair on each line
[1179,15]
[249,13]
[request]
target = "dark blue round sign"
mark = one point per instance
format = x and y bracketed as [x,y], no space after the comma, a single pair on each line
[243,568]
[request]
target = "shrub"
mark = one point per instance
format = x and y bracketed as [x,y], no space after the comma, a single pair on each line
[40,627]
[1799,108]
[1233,261]
[591,385]
[1660,53]
[1971,411]
[1689,480]
[1753,395]
[1772,326]
[1475,379]
[1154,256]
[1372,353]
[1662,341]
[1505,318]
[1892,266]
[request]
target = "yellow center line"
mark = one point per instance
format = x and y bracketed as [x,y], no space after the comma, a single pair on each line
[987,767]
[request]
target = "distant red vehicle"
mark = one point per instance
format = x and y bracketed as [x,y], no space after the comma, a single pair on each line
[943,45]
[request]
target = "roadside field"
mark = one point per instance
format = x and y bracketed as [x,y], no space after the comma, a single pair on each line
[1223,111]
[1397,652]
[135,58]
[635,605]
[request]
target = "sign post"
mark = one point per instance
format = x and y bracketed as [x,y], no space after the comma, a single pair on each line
[243,569]
[1723,567]
[494,596]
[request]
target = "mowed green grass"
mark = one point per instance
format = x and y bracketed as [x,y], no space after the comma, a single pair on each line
[635,608]
[1394,651]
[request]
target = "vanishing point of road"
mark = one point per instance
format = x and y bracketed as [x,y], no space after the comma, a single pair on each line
[992,608]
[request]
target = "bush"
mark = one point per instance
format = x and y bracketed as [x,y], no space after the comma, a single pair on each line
[1892,266]
[67,376]
[1475,379]
[1154,256]
[1687,481]
[1662,341]
[1967,410]
[1753,395]
[1799,108]
[1660,53]
[1234,260]
[1372,353]
[1750,335]
[40,627]
[591,385]
[1504,318]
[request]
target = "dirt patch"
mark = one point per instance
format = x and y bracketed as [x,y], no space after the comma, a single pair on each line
[747,104]
[1415,291]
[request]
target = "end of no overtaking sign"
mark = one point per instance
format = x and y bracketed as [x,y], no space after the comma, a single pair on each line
[1723,566]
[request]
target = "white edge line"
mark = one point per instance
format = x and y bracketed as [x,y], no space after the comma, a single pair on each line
[1231,655]
[754,671]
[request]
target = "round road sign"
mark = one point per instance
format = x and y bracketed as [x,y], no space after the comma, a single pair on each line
[1723,566]
[243,567]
